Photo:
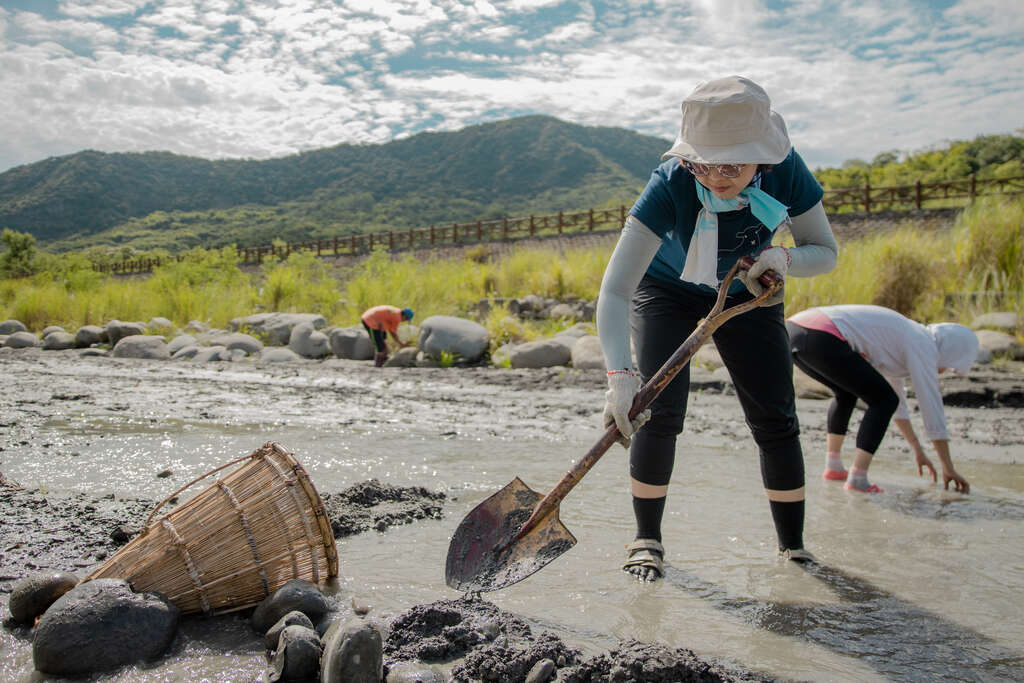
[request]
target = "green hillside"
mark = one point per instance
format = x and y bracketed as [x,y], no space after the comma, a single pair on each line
[161,200]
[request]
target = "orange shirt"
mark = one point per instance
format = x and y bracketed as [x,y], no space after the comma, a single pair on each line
[386,318]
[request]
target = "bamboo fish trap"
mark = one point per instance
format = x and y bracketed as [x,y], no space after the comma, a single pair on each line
[235,542]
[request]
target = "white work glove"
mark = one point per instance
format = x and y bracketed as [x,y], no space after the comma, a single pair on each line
[773,258]
[623,387]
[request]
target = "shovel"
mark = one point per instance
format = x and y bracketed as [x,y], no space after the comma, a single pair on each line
[516,531]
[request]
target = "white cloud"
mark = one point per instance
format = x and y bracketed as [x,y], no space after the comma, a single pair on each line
[260,78]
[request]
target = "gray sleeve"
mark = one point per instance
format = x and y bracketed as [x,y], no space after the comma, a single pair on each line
[636,247]
[816,249]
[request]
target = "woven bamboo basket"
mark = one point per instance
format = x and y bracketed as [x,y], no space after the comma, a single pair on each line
[235,542]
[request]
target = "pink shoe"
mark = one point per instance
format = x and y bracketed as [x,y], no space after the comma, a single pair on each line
[871,489]
[834,475]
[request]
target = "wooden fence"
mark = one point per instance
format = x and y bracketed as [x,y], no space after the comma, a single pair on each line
[852,199]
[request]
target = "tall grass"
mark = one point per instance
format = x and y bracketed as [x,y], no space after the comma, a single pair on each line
[923,274]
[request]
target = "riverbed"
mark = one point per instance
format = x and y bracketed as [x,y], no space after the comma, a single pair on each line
[916,583]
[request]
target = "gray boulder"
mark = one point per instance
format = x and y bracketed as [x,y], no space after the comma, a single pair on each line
[279,355]
[297,595]
[50,329]
[141,346]
[12,326]
[209,354]
[350,342]
[294,618]
[806,386]
[21,340]
[180,342]
[237,340]
[59,341]
[1003,321]
[276,328]
[403,358]
[296,657]
[196,327]
[414,672]
[353,651]
[587,354]
[544,353]
[87,335]
[32,595]
[118,330]
[562,311]
[160,325]
[998,343]
[308,342]
[464,339]
[541,672]
[186,352]
[101,625]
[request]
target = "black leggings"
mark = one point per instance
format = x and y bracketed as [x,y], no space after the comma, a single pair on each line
[833,362]
[755,349]
[378,338]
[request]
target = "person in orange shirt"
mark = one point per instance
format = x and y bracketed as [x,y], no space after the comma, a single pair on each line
[380,320]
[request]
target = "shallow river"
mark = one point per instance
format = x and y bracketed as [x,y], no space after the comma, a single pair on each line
[915,584]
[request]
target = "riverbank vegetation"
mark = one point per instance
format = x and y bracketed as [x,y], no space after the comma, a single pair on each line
[930,276]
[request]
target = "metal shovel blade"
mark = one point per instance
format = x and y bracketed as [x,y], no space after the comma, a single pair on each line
[482,555]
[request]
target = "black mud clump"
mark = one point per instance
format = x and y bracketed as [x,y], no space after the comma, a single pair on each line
[371,505]
[636,662]
[503,661]
[448,629]
[67,532]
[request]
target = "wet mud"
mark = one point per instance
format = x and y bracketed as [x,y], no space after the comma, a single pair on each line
[493,645]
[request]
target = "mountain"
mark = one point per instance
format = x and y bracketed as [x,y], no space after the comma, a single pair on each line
[529,164]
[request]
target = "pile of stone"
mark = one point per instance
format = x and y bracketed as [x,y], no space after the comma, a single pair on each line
[439,340]
[101,625]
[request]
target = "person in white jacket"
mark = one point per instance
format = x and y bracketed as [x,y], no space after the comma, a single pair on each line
[867,353]
[731,179]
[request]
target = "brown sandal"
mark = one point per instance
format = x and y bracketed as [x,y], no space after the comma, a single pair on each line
[647,553]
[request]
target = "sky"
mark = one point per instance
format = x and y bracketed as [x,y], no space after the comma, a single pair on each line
[268,78]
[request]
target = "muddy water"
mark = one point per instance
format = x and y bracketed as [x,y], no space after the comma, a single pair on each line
[914,584]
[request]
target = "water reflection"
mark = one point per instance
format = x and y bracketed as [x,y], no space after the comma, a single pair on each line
[931,504]
[891,635]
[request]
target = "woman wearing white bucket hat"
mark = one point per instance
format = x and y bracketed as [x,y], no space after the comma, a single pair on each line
[867,353]
[725,186]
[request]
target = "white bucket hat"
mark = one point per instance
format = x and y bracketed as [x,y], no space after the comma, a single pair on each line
[730,121]
[957,345]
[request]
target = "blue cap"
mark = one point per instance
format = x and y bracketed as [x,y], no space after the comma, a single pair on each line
[407,312]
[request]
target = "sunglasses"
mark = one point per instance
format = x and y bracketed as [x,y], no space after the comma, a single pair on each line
[724,170]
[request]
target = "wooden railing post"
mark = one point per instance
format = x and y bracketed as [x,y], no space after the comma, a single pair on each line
[867,195]
[917,194]
[391,240]
[371,241]
[504,227]
[972,189]
[559,222]
[479,231]
[590,221]
[431,234]
[335,245]
[531,225]
[455,233]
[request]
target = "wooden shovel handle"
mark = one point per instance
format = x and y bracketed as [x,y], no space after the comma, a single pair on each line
[715,319]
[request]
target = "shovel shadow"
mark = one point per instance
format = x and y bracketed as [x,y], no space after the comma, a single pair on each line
[896,638]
